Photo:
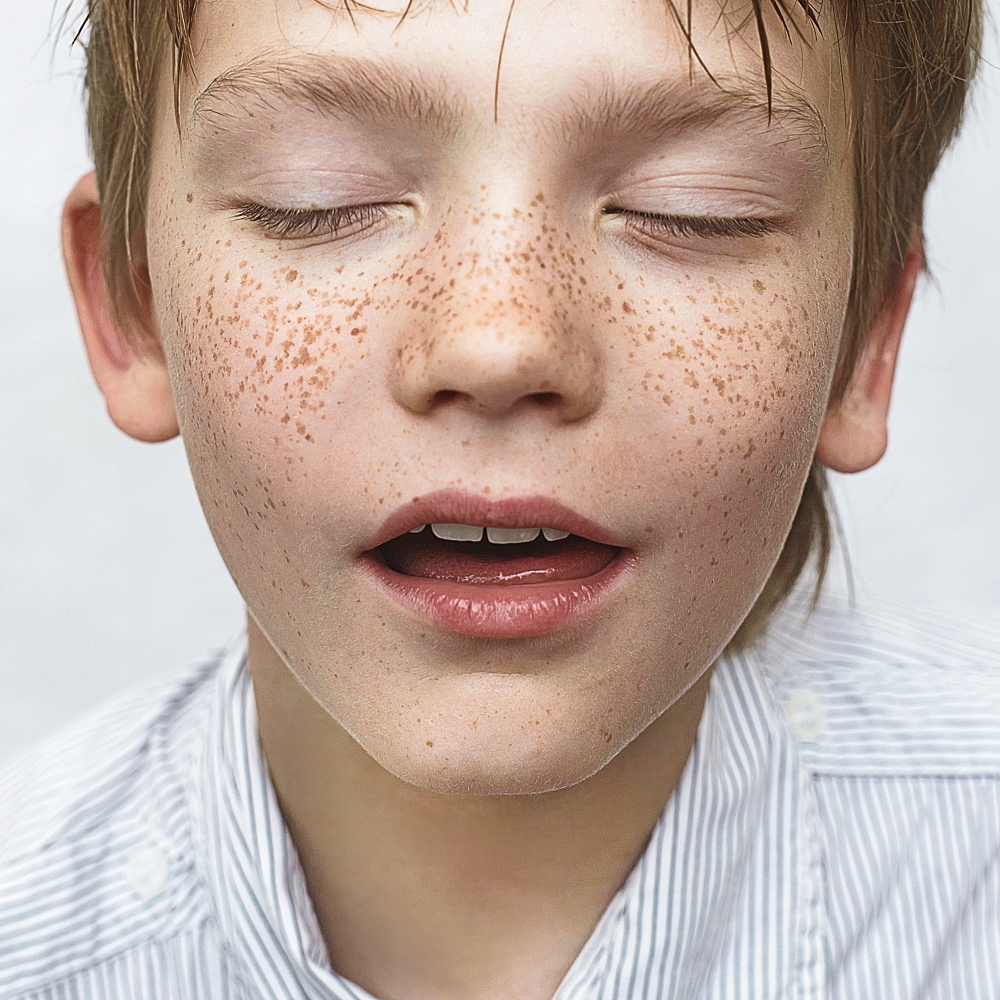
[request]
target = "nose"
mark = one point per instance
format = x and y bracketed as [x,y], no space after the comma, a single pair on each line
[498,342]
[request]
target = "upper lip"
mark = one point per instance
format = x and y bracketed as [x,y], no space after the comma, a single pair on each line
[451,506]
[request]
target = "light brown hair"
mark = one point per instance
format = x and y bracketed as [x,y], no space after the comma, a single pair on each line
[909,64]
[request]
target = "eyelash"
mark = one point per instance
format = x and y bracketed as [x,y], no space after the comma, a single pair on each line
[705,226]
[301,223]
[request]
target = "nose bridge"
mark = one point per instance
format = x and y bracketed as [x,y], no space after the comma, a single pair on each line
[503,329]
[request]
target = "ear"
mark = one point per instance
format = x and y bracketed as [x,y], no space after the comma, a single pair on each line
[127,362]
[854,435]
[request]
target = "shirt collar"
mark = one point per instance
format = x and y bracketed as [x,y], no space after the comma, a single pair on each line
[726,900]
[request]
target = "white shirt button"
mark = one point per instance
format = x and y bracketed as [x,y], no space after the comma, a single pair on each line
[147,870]
[807,715]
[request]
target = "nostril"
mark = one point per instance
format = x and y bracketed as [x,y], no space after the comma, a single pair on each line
[548,399]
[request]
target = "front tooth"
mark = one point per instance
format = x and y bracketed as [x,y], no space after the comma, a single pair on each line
[554,534]
[458,532]
[507,536]
[414,531]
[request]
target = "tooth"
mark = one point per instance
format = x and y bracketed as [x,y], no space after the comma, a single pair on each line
[458,532]
[414,531]
[554,534]
[507,536]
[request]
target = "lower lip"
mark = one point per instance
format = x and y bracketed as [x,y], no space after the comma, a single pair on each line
[502,612]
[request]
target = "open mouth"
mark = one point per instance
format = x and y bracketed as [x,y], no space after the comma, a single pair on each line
[502,569]
[529,567]
[478,556]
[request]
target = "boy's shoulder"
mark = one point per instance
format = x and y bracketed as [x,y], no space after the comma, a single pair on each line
[93,833]
[885,688]
[896,714]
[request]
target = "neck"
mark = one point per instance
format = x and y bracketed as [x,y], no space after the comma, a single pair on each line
[429,896]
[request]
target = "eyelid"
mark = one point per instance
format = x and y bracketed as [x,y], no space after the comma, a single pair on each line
[702,226]
[301,223]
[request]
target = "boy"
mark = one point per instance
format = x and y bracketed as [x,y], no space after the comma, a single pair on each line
[508,345]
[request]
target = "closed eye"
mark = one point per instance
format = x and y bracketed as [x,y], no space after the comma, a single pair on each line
[705,226]
[352,220]
[302,223]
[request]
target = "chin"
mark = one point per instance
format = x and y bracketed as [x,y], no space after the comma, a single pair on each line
[458,768]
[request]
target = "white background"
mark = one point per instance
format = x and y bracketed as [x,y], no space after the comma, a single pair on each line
[108,574]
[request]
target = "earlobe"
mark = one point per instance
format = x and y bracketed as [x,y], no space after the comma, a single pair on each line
[134,381]
[854,435]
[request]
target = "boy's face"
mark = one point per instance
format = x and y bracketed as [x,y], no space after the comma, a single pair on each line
[510,321]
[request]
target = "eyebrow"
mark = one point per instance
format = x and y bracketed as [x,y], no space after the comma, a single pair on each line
[370,90]
[667,105]
[359,88]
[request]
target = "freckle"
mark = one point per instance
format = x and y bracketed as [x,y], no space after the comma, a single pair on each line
[430,743]
[291,276]
[190,197]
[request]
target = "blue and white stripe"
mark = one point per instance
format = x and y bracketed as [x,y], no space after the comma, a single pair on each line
[835,833]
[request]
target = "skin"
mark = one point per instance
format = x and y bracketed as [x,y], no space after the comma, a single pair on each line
[465,809]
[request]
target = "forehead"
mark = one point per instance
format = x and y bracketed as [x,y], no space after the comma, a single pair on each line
[566,66]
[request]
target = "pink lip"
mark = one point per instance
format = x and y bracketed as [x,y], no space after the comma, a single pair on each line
[451,506]
[488,611]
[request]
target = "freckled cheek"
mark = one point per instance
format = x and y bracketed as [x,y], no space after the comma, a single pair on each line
[260,350]
[732,390]
[260,361]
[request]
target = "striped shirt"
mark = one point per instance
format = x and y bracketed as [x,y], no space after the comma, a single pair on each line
[835,834]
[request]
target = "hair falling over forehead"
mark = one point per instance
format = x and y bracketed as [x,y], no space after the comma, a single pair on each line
[786,11]
[908,64]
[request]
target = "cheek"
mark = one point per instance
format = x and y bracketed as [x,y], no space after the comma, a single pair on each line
[267,370]
[251,342]
[730,388]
